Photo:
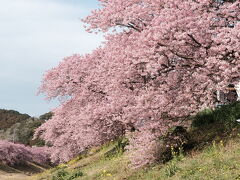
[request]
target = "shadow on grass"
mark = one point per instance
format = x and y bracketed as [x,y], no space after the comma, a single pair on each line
[29,168]
[215,125]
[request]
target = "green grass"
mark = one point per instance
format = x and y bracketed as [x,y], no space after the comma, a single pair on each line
[217,162]
[215,156]
[226,115]
[220,161]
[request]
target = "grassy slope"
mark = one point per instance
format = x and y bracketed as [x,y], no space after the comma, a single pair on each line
[20,172]
[215,156]
[217,161]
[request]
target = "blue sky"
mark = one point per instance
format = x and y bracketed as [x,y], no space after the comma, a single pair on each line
[35,35]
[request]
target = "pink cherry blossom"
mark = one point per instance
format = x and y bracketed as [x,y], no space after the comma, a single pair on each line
[14,154]
[162,61]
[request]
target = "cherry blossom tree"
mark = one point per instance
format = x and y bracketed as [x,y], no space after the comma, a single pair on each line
[15,154]
[162,61]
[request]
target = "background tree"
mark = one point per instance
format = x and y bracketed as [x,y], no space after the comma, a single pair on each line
[15,154]
[162,62]
[16,127]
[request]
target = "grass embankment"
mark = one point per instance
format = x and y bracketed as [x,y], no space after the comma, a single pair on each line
[215,155]
[19,172]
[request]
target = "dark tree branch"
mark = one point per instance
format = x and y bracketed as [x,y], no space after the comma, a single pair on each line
[198,44]
[129,25]
[182,56]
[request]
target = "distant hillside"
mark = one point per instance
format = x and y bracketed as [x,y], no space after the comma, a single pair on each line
[17,127]
[11,117]
[22,132]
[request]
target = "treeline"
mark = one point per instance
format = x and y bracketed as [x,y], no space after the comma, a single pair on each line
[19,128]
[11,117]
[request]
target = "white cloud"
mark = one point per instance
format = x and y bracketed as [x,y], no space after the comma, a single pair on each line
[34,36]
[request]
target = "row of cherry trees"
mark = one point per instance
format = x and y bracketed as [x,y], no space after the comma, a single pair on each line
[161,62]
[15,154]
